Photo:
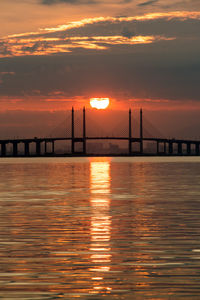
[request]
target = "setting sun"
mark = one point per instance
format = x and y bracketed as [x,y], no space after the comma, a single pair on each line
[99,103]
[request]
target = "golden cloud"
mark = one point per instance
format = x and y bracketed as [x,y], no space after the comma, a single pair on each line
[51,40]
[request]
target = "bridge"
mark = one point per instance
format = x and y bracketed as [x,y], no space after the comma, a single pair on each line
[163,146]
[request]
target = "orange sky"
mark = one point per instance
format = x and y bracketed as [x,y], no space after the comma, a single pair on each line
[55,54]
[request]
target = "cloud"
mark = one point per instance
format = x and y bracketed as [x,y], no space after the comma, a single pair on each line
[33,48]
[75,2]
[147,3]
[50,46]
[7,73]
[154,71]
[154,56]
[103,33]
[4,49]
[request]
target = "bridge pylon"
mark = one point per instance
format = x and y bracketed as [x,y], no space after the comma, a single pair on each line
[79,140]
[130,133]
[132,139]
[141,131]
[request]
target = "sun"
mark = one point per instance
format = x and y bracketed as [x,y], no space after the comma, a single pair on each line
[99,103]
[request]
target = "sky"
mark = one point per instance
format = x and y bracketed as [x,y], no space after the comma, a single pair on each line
[59,53]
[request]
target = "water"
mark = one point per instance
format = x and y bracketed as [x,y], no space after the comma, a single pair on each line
[100,228]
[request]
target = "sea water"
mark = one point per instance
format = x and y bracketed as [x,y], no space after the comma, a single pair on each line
[100,228]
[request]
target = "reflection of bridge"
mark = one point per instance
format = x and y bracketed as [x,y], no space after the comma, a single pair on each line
[192,147]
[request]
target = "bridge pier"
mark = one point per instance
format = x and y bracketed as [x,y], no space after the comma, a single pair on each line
[26,149]
[197,148]
[53,147]
[15,149]
[73,146]
[165,148]
[3,149]
[158,150]
[84,146]
[188,149]
[130,147]
[171,150]
[180,148]
[38,148]
[45,147]
[141,147]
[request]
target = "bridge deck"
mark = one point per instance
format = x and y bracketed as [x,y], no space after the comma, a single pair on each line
[53,139]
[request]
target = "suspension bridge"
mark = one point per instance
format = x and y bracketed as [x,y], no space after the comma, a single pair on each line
[79,142]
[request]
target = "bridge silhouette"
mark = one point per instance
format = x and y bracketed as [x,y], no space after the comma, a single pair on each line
[46,146]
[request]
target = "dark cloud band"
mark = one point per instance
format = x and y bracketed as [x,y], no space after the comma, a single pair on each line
[148,3]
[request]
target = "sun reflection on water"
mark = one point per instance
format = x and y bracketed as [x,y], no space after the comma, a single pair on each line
[100,229]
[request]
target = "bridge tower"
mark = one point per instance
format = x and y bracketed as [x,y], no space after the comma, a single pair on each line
[78,139]
[130,133]
[141,131]
[135,140]
[72,133]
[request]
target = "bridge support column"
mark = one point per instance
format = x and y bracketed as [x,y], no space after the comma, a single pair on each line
[130,147]
[73,146]
[38,148]
[165,148]
[84,146]
[45,147]
[3,149]
[84,131]
[180,148]
[170,147]
[26,149]
[15,149]
[158,144]
[188,148]
[197,149]
[53,147]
